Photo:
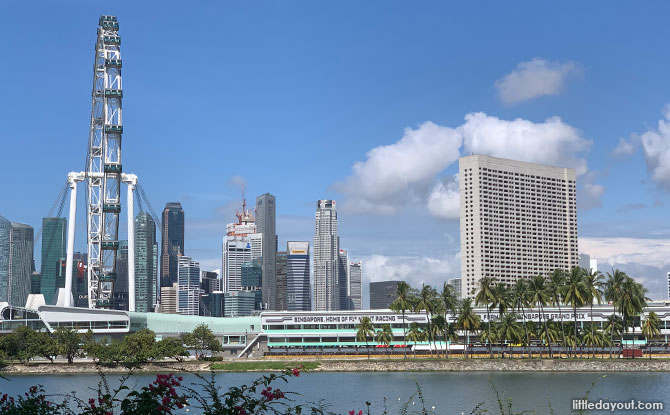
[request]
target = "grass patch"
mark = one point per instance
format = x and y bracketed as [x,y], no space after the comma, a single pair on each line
[254,366]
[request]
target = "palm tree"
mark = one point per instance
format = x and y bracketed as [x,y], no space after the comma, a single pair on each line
[613,327]
[468,321]
[612,291]
[631,302]
[593,281]
[426,302]
[365,331]
[539,296]
[501,298]
[550,334]
[490,337]
[436,329]
[414,334]
[385,336]
[450,335]
[556,288]
[484,297]
[575,293]
[519,303]
[650,328]
[450,304]
[509,330]
[402,304]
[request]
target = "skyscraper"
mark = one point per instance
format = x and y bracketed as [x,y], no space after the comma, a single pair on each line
[241,244]
[145,265]
[5,235]
[265,224]
[382,294]
[251,279]
[518,220]
[120,299]
[326,249]
[54,239]
[188,285]
[16,261]
[456,283]
[297,276]
[282,293]
[355,299]
[79,279]
[343,280]
[172,243]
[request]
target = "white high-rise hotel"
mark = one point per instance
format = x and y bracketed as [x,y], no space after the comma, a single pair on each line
[517,220]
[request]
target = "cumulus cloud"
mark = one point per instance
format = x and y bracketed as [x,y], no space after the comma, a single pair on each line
[415,270]
[551,142]
[407,171]
[395,173]
[444,199]
[645,259]
[589,196]
[535,78]
[656,148]
[625,148]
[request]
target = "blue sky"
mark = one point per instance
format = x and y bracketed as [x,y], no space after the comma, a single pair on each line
[290,96]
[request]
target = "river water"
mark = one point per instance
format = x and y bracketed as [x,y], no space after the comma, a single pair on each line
[449,392]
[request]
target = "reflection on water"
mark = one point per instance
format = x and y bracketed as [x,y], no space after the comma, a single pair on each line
[449,392]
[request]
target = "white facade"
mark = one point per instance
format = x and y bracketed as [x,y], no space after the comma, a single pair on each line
[668,280]
[517,219]
[355,285]
[325,248]
[188,286]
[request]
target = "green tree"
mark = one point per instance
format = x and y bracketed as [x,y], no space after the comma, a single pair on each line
[631,302]
[484,297]
[450,304]
[414,334]
[202,340]
[538,296]
[140,346]
[468,321]
[427,301]
[18,345]
[576,294]
[509,330]
[68,341]
[43,345]
[401,304]
[519,303]
[556,288]
[593,283]
[172,347]
[612,291]
[650,328]
[613,327]
[366,330]
[385,336]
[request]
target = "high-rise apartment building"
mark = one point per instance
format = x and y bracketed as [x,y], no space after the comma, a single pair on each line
[354,296]
[517,220]
[188,286]
[172,243]
[382,294]
[54,241]
[343,279]
[326,251]
[297,276]
[146,268]
[16,262]
[282,281]
[265,225]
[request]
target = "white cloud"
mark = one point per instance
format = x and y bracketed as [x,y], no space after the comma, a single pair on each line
[407,171]
[535,78]
[415,270]
[395,173]
[589,196]
[656,148]
[444,199]
[624,148]
[644,259]
[551,142]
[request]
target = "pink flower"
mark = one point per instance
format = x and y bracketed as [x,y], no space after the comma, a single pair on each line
[352,412]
